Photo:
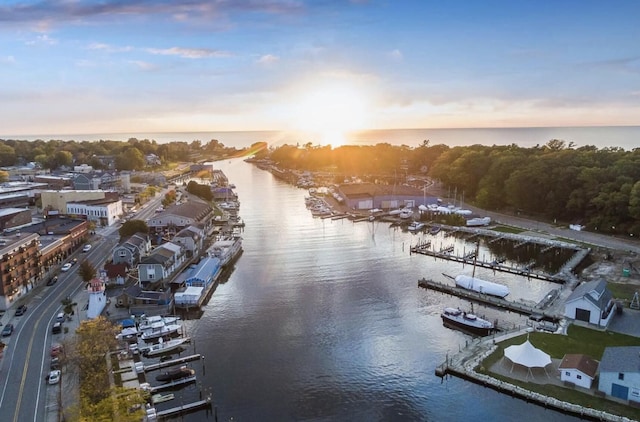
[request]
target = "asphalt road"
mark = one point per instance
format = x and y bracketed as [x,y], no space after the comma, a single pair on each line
[23,389]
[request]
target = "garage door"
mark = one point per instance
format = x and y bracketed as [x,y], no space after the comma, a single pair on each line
[619,391]
[583,314]
[388,205]
[365,205]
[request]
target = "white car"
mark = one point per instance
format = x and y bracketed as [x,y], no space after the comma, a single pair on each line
[86,248]
[66,267]
[54,377]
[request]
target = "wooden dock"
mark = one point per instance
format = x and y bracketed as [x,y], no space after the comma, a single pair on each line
[156,366]
[186,408]
[172,384]
[494,265]
[488,300]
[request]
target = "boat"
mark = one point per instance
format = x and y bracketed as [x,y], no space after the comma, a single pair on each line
[161,398]
[146,322]
[479,221]
[175,374]
[226,249]
[415,226]
[435,230]
[164,347]
[467,321]
[159,329]
[481,286]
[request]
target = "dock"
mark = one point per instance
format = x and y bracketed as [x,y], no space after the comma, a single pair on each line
[496,302]
[186,408]
[493,265]
[156,366]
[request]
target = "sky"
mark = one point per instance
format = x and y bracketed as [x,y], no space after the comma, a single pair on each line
[112,66]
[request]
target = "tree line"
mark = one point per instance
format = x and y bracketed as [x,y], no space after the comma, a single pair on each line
[597,188]
[129,155]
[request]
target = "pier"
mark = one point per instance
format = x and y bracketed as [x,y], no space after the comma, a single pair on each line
[494,265]
[496,302]
[186,408]
[156,366]
[181,381]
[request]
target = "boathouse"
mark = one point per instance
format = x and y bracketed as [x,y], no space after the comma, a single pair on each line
[620,373]
[591,302]
[367,196]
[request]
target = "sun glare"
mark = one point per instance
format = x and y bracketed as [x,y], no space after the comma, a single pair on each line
[331,111]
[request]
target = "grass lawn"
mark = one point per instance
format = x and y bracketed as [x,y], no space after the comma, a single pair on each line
[623,291]
[507,229]
[578,340]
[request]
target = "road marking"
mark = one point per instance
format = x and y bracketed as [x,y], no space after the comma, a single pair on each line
[24,376]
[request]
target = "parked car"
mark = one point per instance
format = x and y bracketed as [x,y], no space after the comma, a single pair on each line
[56,349]
[74,261]
[21,310]
[66,267]
[86,248]
[57,328]
[55,363]
[53,280]
[7,330]
[54,377]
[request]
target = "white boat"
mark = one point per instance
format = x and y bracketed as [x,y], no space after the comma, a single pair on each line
[164,346]
[481,286]
[475,222]
[467,321]
[160,330]
[161,398]
[226,249]
[146,322]
[415,226]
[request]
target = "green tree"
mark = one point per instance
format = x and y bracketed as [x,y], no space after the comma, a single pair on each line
[132,227]
[4,176]
[130,159]
[7,155]
[87,271]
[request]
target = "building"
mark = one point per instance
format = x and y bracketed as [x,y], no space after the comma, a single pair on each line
[192,238]
[145,302]
[103,212]
[14,217]
[578,369]
[620,373]
[161,264]
[20,194]
[367,196]
[96,180]
[591,302]
[130,250]
[20,267]
[177,217]
[54,182]
[55,201]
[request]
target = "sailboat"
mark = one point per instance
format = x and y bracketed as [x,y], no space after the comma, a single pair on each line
[479,285]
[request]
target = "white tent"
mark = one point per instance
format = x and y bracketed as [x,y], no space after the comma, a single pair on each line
[526,354]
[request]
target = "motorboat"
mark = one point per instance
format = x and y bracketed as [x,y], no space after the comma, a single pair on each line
[147,322]
[161,398]
[435,230]
[175,374]
[164,347]
[415,226]
[158,330]
[467,321]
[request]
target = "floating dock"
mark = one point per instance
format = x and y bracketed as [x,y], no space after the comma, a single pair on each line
[488,300]
[189,407]
[156,366]
[172,384]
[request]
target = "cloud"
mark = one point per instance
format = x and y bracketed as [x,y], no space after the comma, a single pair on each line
[109,48]
[396,55]
[189,53]
[42,39]
[7,60]
[54,12]
[268,59]
[142,65]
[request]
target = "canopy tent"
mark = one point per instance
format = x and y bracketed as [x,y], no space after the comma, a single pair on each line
[527,355]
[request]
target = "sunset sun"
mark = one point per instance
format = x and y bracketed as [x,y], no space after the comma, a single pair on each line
[331,111]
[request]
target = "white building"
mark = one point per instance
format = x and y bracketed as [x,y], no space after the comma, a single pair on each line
[578,369]
[104,212]
[620,373]
[591,302]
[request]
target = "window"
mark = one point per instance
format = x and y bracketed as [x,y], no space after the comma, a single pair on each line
[579,377]
[621,376]
[122,253]
[567,373]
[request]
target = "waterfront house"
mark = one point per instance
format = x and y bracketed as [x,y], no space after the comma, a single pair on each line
[367,196]
[591,302]
[578,369]
[130,250]
[192,238]
[199,281]
[148,302]
[175,218]
[161,264]
[620,373]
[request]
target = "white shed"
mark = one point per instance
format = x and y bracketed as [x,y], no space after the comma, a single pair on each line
[578,369]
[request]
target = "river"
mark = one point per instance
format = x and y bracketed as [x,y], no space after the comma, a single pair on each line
[323,320]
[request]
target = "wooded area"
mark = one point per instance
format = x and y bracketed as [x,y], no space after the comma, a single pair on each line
[597,188]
